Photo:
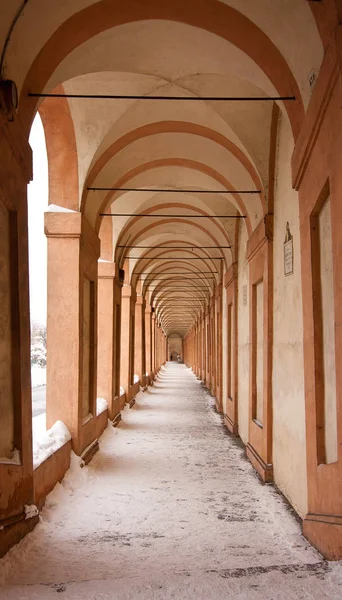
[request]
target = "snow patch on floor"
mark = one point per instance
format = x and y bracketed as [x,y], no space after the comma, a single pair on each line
[168,508]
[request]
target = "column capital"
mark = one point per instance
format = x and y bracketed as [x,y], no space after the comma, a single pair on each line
[71,224]
[231,274]
[218,291]
[106,269]
[140,300]
[127,291]
[262,234]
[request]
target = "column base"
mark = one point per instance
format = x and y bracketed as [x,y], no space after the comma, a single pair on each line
[116,420]
[231,426]
[263,469]
[324,532]
[89,452]
[131,403]
[14,529]
[218,405]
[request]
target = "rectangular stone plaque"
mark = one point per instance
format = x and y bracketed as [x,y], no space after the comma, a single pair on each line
[288,257]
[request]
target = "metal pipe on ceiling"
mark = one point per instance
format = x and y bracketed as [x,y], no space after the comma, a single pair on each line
[177,247]
[173,273]
[173,216]
[170,190]
[163,98]
[175,258]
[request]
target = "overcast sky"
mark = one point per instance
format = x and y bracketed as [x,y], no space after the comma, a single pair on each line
[37,205]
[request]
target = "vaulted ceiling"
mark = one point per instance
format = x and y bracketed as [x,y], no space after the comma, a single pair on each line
[192,49]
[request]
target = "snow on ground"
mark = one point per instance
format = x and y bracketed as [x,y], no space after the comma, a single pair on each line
[38,425]
[38,376]
[168,508]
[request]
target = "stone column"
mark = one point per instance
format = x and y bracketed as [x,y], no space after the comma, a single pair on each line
[200,356]
[218,347]
[160,346]
[317,175]
[202,348]
[164,356]
[212,344]
[148,341]
[208,347]
[16,480]
[165,349]
[157,346]
[117,343]
[73,251]
[229,396]
[139,351]
[195,349]
[109,301]
[260,259]
[127,339]
[153,340]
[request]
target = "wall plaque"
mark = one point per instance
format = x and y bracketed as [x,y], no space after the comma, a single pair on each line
[288,251]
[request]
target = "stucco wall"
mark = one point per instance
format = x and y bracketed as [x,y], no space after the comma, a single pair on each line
[243,336]
[289,447]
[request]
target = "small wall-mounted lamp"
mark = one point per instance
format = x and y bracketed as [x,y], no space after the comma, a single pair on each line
[9,98]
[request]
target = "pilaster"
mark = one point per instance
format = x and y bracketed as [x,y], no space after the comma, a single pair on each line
[73,251]
[139,354]
[230,395]
[16,478]
[109,303]
[260,258]
[127,339]
[316,174]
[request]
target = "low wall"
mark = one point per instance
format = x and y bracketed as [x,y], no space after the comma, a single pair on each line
[53,469]
[122,401]
[135,389]
[116,407]
[101,423]
[50,472]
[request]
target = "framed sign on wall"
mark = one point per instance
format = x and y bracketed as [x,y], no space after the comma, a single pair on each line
[288,251]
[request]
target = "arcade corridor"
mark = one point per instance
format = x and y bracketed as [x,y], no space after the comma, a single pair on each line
[192,218]
[168,508]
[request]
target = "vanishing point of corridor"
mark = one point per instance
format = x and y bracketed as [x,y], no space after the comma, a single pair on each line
[168,508]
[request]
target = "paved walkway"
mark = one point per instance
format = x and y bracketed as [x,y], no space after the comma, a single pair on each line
[168,508]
